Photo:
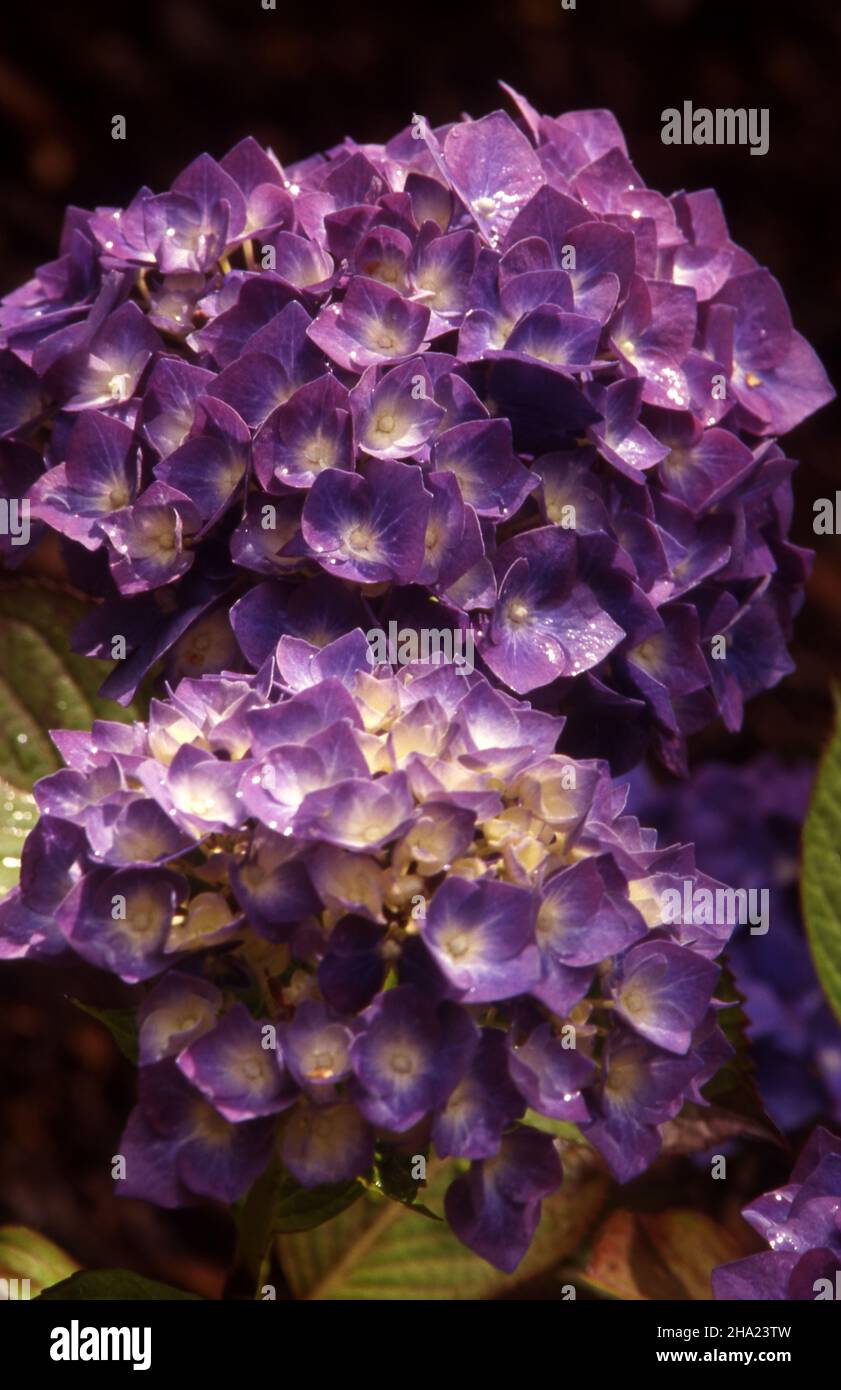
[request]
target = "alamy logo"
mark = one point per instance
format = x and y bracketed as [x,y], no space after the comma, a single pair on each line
[75,1343]
[14,1290]
[14,519]
[827,1289]
[438,646]
[721,126]
[707,907]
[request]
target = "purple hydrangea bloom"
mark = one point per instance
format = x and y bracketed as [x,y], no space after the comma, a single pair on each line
[483,1105]
[357,454]
[549,1075]
[179,1150]
[662,991]
[802,1224]
[366,902]
[316,1046]
[479,379]
[51,864]
[642,1086]
[121,920]
[495,1208]
[178,1010]
[482,938]
[230,1066]
[326,1143]
[409,1056]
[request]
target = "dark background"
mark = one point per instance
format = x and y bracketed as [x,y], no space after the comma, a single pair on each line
[191,75]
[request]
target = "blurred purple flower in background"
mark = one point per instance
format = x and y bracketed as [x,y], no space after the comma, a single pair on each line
[745,824]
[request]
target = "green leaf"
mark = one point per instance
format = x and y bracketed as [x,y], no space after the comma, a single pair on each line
[378,1250]
[120,1284]
[26,1254]
[562,1129]
[18,814]
[392,1178]
[121,1024]
[667,1255]
[821,881]
[277,1203]
[300,1208]
[253,1212]
[393,1174]
[43,685]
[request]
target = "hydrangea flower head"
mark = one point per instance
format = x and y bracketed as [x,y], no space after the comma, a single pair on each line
[480,373]
[370,905]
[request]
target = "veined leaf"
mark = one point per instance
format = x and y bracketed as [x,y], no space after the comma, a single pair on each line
[43,685]
[299,1208]
[821,881]
[277,1203]
[18,814]
[667,1255]
[25,1254]
[379,1250]
[120,1284]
